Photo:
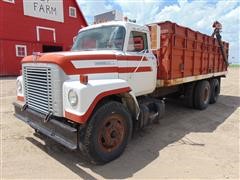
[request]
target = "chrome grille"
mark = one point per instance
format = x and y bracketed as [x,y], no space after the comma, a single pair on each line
[38,88]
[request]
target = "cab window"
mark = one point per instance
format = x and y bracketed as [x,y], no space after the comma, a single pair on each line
[137,41]
[102,38]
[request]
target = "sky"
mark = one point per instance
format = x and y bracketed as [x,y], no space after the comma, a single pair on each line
[198,15]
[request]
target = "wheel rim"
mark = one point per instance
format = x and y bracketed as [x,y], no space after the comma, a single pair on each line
[111,133]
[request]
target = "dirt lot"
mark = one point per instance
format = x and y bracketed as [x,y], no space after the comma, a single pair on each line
[187,144]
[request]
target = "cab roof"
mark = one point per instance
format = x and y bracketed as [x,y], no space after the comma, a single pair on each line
[119,23]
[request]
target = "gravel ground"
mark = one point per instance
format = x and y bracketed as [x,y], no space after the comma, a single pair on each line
[187,144]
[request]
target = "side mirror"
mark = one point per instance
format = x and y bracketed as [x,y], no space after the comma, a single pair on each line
[155,36]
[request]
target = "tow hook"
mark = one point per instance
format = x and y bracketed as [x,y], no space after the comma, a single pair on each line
[24,107]
[47,118]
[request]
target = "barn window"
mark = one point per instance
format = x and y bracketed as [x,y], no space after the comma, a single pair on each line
[72,12]
[9,1]
[21,50]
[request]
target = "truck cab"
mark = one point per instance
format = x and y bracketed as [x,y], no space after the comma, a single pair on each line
[131,45]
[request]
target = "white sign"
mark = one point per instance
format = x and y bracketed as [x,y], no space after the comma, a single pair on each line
[44,9]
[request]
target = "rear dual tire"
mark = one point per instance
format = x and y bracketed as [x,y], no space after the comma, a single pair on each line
[215,90]
[189,95]
[202,95]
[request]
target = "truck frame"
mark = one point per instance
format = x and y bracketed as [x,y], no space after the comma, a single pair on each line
[114,81]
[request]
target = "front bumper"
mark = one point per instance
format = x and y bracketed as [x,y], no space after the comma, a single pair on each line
[57,130]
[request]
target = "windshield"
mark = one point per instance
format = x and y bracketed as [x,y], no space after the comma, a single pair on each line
[102,38]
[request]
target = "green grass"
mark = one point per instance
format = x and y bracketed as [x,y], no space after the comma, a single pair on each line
[234,65]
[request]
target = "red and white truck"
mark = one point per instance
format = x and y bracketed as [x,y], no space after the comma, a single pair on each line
[114,80]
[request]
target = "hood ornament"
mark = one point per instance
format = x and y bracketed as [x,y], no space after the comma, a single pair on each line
[36,56]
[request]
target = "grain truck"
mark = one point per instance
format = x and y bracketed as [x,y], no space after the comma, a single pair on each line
[114,81]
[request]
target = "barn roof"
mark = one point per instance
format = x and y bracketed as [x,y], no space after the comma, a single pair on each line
[81,13]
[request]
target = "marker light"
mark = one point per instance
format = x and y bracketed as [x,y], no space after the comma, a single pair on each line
[84,79]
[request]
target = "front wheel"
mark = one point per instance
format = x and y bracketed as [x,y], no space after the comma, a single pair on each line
[107,133]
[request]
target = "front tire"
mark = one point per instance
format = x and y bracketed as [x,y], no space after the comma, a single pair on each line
[107,133]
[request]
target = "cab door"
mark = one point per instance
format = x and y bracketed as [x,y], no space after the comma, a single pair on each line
[139,63]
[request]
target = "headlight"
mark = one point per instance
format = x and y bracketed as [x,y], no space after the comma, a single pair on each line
[19,86]
[72,97]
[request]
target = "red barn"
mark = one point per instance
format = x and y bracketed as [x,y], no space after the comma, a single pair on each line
[35,26]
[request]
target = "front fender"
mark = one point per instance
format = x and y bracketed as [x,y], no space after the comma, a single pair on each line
[89,95]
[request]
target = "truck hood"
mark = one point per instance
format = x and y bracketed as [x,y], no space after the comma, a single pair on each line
[66,59]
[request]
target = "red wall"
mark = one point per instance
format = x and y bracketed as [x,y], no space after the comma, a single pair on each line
[10,64]
[15,28]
